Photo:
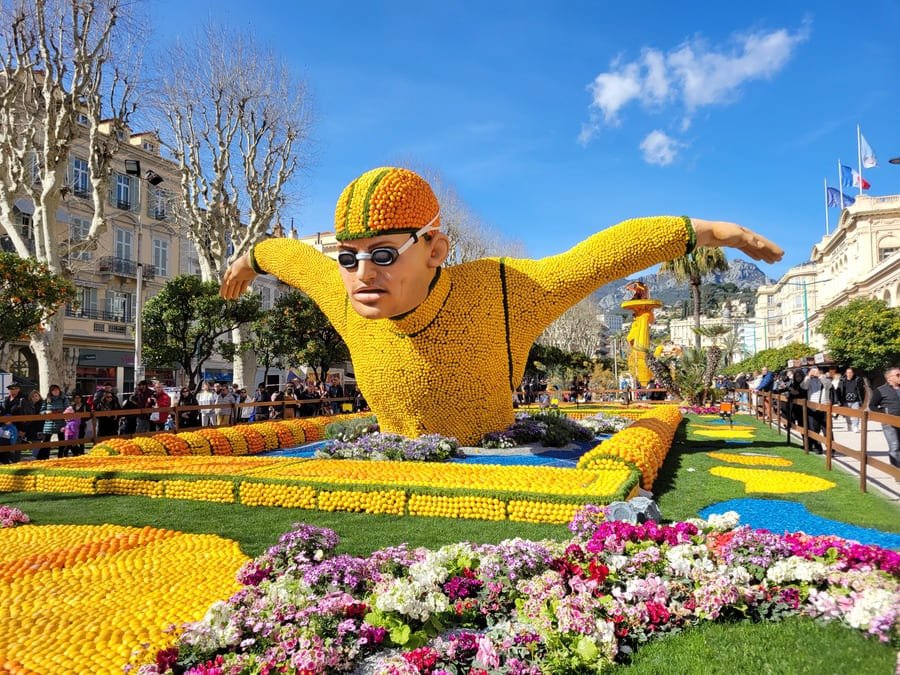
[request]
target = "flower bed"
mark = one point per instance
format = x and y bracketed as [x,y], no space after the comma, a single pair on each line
[645,443]
[80,598]
[527,607]
[392,447]
[488,492]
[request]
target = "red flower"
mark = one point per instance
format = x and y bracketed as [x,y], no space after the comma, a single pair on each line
[597,572]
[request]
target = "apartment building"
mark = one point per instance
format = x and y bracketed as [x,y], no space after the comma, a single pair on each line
[859,259]
[141,231]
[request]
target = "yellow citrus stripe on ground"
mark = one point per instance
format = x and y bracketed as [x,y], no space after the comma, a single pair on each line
[188,464]
[736,427]
[750,460]
[544,480]
[726,433]
[776,482]
[91,613]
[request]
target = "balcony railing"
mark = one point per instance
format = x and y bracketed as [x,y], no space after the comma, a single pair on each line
[124,204]
[123,267]
[98,314]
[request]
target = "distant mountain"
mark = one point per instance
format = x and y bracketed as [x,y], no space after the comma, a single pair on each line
[664,287]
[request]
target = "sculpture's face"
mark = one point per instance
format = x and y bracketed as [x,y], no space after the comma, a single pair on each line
[385,291]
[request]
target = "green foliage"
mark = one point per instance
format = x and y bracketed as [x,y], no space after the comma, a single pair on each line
[29,295]
[296,332]
[773,359]
[556,364]
[350,430]
[184,322]
[864,333]
[691,376]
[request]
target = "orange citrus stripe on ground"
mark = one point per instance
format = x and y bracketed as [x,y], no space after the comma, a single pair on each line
[68,555]
[113,607]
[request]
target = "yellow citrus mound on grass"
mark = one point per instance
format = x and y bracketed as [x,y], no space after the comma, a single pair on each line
[751,460]
[726,434]
[81,598]
[776,482]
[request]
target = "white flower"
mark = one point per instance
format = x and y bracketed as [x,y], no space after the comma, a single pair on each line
[740,576]
[795,569]
[724,521]
[871,603]
[687,560]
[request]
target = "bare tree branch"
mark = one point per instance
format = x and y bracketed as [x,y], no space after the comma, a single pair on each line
[57,70]
[238,125]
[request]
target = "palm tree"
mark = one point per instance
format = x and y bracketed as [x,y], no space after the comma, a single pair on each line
[733,349]
[714,353]
[692,267]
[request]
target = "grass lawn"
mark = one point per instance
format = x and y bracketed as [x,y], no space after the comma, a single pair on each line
[683,487]
[796,646]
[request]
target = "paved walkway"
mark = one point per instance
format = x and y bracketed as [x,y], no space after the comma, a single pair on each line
[877,449]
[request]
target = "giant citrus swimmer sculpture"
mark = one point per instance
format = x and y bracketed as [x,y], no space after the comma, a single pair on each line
[410,323]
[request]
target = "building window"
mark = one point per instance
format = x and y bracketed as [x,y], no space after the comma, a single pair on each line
[124,191]
[81,184]
[158,206]
[887,252]
[25,225]
[124,240]
[87,302]
[119,306]
[82,119]
[161,257]
[266,295]
[78,231]
[148,146]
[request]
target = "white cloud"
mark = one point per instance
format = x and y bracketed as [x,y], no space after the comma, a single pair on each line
[692,76]
[659,148]
[611,91]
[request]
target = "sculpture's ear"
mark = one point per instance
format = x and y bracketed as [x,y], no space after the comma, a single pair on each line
[440,249]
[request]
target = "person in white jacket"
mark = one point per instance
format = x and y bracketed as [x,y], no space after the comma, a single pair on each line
[207,396]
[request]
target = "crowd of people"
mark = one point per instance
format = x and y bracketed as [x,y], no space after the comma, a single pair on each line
[825,385]
[159,410]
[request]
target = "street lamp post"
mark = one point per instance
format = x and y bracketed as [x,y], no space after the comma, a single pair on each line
[615,342]
[133,168]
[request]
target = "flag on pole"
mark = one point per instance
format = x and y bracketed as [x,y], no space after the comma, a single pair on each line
[850,177]
[834,198]
[867,153]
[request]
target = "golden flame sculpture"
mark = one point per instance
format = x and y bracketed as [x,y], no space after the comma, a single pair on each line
[638,337]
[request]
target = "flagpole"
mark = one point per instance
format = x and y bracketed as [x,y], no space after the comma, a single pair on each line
[840,187]
[859,157]
[825,180]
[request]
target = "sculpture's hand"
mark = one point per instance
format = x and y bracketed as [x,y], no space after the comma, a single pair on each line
[719,233]
[237,278]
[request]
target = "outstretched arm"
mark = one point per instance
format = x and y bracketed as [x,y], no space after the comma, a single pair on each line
[712,233]
[237,278]
[296,264]
[545,288]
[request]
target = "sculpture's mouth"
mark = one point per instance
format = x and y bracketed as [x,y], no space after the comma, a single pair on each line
[368,294]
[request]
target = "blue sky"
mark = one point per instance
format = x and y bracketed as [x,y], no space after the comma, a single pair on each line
[556,119]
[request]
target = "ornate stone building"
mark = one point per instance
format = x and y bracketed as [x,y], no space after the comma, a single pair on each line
[861,258]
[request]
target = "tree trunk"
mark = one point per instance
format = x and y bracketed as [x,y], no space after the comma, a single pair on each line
[244,362]
[695,296]
[48,350]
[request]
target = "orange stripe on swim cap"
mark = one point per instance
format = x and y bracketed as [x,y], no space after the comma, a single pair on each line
[383,201]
